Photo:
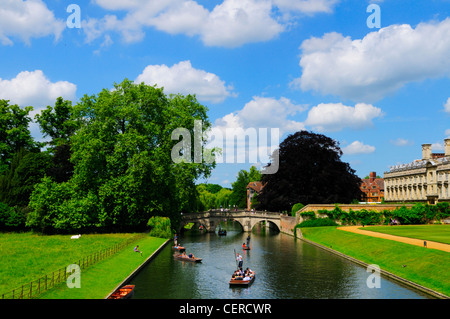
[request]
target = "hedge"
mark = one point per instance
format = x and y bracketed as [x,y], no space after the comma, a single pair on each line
[418,214]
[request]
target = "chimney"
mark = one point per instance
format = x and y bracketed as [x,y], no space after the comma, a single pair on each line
[372,176]
[426,151]
[447,146]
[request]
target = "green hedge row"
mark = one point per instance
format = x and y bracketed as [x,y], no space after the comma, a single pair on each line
[418,214]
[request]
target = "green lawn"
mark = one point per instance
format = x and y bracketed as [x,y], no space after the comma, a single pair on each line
[100,279]
[427,267]
[27,256]
[437,233]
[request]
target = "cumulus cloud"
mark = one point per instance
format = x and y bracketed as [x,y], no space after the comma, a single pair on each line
[401,142]
[382,62]
[265,112]
[447,132]
[35,89]
[230,23]
[185,79]
[306,6]
[332,117]
[447,106]
[26,20]
[358,147]
[254,132]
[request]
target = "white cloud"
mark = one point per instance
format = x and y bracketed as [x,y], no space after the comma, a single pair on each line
[236,22]
[26,20]
[447,106]
[230,23]
[265,112]
[183,78]
[334,117]
[401,142]
[257,128]
[35,89]
[437,146]
[358,147]
[306,6]
[379,64]
[447,132]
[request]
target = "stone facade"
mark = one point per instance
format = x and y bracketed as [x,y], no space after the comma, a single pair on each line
[425,180]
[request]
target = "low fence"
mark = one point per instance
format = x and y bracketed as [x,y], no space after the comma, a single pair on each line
[46,282]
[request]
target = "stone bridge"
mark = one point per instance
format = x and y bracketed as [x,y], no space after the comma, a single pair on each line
[211,219]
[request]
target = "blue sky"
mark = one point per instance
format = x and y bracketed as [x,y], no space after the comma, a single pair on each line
[286,64]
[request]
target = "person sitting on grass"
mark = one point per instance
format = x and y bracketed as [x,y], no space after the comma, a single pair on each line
[136,249]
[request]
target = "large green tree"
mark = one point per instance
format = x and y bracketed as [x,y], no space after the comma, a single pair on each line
[122,156]
[310,172]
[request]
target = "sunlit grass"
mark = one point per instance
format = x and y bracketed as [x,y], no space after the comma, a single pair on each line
[437,233]
[427,267]
[27,256]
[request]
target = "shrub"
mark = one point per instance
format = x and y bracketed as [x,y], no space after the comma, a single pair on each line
[12,218]
[318,222]
[308,215]
[160,227]
[296,208]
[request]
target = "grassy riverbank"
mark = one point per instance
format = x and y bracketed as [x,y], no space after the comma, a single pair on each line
[437,233]
[100,279]
[426,267]
[27,256]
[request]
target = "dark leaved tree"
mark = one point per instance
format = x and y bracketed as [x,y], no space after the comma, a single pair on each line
[310,172]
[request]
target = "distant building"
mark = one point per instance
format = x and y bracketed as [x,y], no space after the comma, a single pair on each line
[424,180]
[372,188]
[252,189]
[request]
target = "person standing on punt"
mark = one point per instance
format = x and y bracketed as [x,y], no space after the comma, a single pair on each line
[240,261]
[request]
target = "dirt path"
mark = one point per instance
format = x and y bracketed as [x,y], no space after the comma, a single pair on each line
[412,241]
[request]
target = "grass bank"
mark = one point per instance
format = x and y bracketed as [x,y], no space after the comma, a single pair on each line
[100,279]
[426,267]
[28,256]
[437,233]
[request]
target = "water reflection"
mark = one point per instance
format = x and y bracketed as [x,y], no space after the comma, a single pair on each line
[286,268]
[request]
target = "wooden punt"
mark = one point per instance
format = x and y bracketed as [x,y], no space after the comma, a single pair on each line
[242,283]
[179,248]
[194,260]
[125,292]
[222,232]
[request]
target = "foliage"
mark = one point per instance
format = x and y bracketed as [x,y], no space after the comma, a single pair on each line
[308,214]
[317,222]
[239,187]
[418,214]
[210,197]
[120,145]
[14,132]
[160,227]
[12,218]
[310,171]
[296,208]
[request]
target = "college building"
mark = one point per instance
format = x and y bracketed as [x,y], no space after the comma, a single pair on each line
[423,180]
[252,189]
[372,189]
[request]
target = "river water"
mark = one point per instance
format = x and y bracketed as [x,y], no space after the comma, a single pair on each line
[285,267]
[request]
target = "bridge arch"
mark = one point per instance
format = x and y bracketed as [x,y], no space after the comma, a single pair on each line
[248,220]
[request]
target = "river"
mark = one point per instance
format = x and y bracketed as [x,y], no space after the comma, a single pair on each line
[285,267]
